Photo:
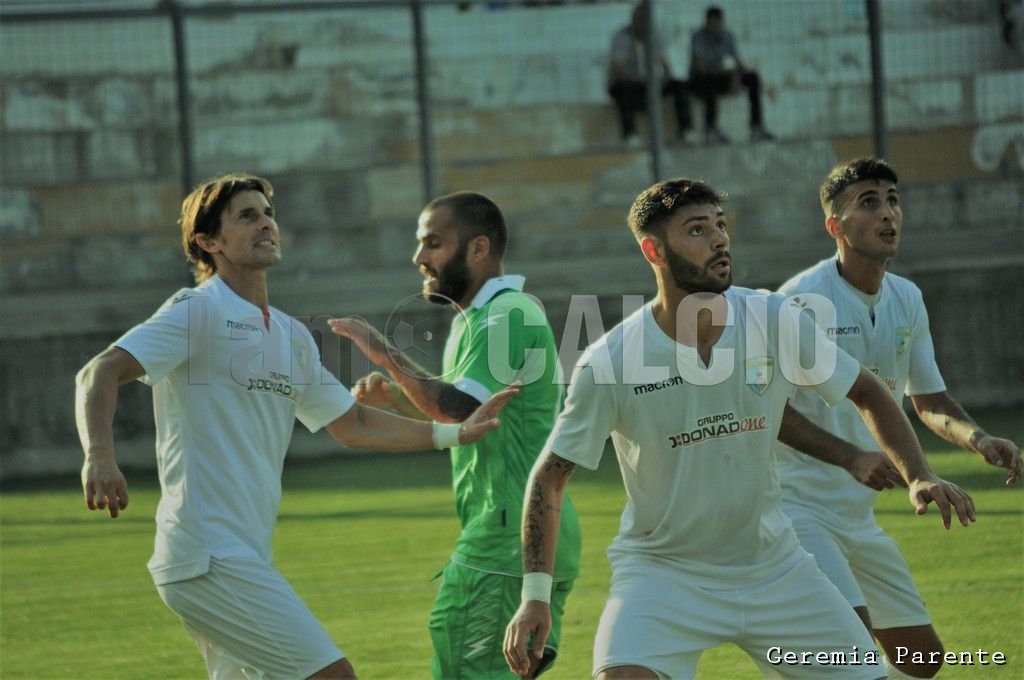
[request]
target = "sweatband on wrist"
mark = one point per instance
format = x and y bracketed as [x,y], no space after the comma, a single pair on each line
[446,435]
[537,586]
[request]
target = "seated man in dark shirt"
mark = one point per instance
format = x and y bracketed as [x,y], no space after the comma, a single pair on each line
[716,69]
[627,77]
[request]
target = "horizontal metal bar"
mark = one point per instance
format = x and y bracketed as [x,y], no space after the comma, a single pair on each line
[16,16]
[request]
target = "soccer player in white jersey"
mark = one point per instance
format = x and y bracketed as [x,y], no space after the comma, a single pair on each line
[881,321]
[692,389]
[230,374]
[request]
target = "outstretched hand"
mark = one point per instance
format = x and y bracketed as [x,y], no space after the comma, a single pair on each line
[945,495]
[367,338]
[1001,453]
[875,470]
[485,417]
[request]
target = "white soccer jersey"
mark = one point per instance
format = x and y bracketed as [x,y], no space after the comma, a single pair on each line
[227,388]
[695,458]
[896,346]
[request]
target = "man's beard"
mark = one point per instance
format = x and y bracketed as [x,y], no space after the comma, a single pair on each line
[692,278]
[453,279]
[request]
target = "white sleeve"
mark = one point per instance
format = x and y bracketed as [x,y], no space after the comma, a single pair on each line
[323,398]
[164,341]
[924,376]
[586,421]
[809,359]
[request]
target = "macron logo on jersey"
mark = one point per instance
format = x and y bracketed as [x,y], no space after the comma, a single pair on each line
[660,385]
[241,326]
[837,331]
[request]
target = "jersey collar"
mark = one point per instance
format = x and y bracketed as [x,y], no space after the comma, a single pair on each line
[495,285]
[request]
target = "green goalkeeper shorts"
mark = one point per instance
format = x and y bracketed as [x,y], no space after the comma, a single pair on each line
[468,623]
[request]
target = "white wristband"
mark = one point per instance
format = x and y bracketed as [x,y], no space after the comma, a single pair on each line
[446,435]
[537,586]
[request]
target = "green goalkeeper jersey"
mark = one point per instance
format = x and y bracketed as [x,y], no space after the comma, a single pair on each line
[503,337]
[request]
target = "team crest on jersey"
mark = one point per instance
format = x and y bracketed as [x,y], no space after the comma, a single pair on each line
[760,371]
[902,341]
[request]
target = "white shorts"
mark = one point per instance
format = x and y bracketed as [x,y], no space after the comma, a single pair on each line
[249,623]
[658,617]
[866,566]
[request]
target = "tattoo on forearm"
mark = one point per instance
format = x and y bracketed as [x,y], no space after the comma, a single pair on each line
[537,507]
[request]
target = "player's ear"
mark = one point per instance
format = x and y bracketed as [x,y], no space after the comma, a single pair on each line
[479,247]
[832,226]
[653,250]
[207,243]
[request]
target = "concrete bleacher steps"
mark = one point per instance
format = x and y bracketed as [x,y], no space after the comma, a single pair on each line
[324,104]
[563,210]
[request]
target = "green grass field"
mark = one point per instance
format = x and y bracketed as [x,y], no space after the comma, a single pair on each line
[361,538]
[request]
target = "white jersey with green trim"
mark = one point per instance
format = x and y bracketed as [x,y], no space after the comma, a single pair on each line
[888,333]
[693,442]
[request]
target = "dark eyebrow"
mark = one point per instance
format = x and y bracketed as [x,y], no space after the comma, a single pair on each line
[867,192]
[702,218]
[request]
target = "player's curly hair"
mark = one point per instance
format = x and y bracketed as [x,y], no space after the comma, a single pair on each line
[201,211]
[656,204]
[847,173]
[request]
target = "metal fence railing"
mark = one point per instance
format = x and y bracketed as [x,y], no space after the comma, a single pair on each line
[360,110]
[392,41]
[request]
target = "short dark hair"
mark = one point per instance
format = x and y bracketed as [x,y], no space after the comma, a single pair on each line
[714,12]
[201,210]
[845,174]
[657,203]
[475,215]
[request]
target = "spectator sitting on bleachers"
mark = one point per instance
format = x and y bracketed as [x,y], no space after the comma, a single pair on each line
[627,77]
[716,69]
[1011,15]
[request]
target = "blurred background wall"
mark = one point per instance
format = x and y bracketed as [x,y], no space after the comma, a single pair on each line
[98,140]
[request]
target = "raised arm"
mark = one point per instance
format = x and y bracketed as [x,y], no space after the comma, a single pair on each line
[542,517]
[868,468]
[96,387]
[435,398]
[891,429]
[365,427]
[944,416]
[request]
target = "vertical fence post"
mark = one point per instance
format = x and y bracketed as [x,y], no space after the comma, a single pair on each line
[877,80]
[185,138]
[652,63]
[423,101]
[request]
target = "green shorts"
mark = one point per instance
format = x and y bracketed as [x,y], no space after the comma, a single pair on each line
[468,623]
